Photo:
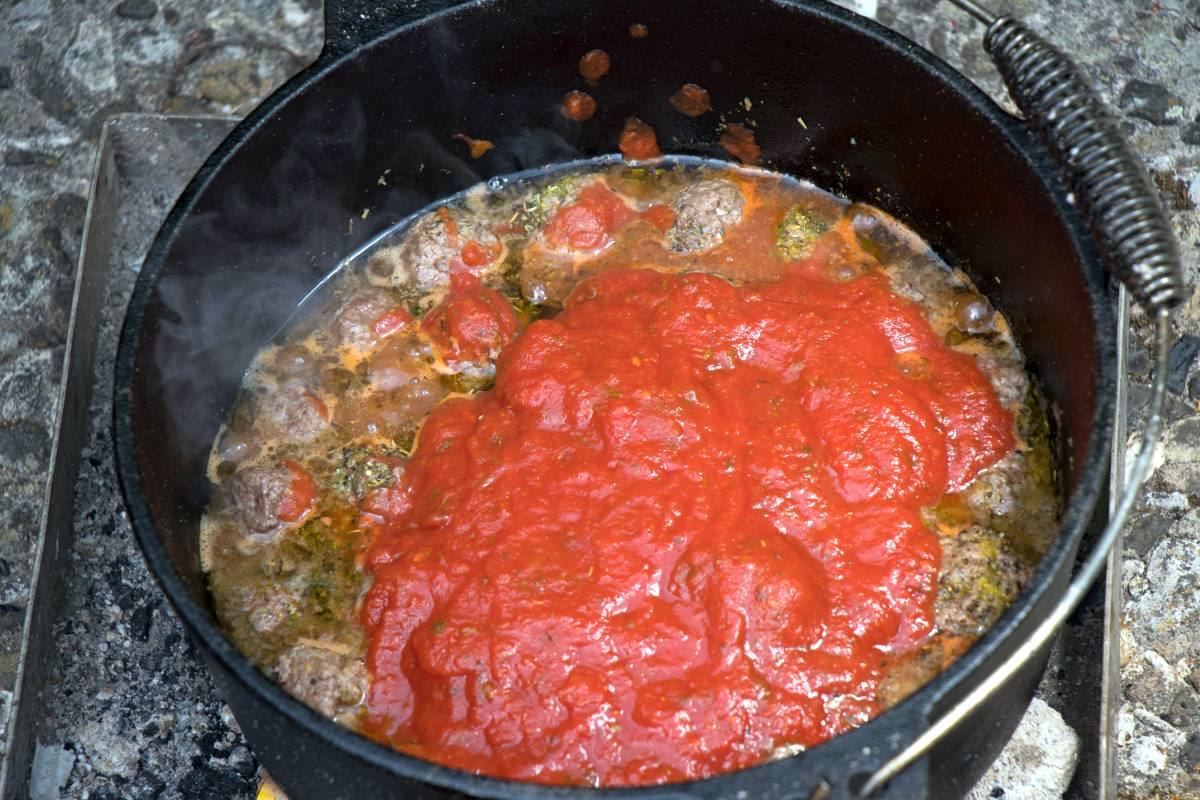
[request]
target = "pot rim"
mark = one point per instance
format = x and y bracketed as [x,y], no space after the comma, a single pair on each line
[200,623]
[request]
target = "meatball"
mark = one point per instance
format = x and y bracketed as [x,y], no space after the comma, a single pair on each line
[393,412]
[355,323]
[704,211]
[323,678]
[291,414]
[258,494]
[876,235]
[471,327]
[921,278]
[590,222]
[981,575]
[436,240]
[295,361]
[400,363]
[1009,380]
[401,387]
[268,607]
[906,673]
[996,490]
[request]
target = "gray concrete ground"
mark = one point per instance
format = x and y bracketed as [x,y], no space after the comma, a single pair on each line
[66,66]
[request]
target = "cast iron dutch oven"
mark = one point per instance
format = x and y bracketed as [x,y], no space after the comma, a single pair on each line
[282,201]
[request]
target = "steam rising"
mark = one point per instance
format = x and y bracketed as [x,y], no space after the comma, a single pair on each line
[265,235]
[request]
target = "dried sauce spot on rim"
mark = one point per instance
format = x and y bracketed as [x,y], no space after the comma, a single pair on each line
[691,100]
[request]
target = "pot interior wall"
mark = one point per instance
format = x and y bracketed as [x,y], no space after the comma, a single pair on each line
[290,200]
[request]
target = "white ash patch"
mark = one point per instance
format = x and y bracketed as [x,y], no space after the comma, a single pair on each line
[110,750]
[1167,501]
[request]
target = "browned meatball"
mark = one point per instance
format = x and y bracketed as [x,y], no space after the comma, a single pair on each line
[290,414]
[704,211]
[354,325]
[1008,377]
[907,673]
[326,680]
[980,577]
[268,607]
[422,260]
[257,494]
[390,413]
[997,490]
[399,363]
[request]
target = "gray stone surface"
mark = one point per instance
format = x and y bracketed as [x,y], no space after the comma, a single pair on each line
[65,67]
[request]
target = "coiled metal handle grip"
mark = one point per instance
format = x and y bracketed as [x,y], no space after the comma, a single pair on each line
[1109,182]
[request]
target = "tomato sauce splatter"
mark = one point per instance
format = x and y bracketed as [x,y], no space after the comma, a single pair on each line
[477,147]
[681,532]
[691,100]
[579,106]
[738,141]
[594,65]
[638,141]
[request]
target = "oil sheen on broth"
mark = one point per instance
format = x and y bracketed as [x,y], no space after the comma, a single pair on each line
[622,475]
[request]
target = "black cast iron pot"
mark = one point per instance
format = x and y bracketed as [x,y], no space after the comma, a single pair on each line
[282,200]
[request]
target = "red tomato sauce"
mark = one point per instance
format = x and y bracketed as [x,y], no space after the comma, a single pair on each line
[681,532]
[472,322]
[301,493]
[589,222]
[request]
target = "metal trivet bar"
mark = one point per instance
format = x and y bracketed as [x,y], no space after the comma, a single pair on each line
[143,161]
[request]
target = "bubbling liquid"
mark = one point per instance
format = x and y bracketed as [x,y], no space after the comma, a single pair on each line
[623,475]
